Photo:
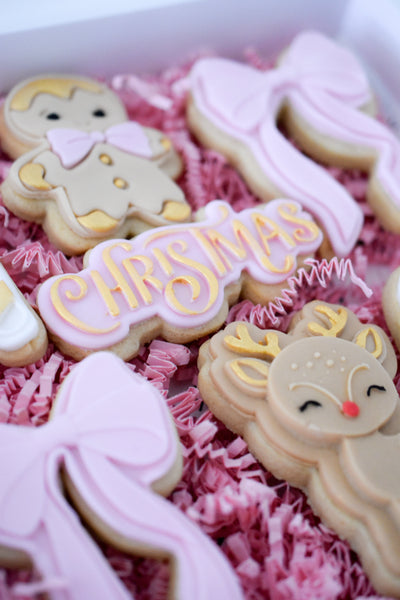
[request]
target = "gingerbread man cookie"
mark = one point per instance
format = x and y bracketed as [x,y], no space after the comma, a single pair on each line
[320,92]
[89,174]
[23,338]
[112,445]
[176,281]
[318,407]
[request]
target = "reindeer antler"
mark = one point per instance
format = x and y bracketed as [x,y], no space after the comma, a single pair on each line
[337,320]
[244,344]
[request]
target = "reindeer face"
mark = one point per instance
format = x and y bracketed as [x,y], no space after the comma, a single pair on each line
[324,388]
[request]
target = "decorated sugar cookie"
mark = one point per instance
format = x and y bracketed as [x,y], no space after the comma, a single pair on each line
[111,440]
[176,281]
[84,171]
[23,338]
[318,407]
[391,304]
[319,90]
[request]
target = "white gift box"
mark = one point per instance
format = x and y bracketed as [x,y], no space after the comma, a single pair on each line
[104,37]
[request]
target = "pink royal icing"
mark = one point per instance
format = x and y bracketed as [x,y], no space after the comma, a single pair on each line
[73,145]
[178,273]
[112,433]
[325,85]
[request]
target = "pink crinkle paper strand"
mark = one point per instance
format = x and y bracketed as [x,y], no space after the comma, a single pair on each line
[278,547]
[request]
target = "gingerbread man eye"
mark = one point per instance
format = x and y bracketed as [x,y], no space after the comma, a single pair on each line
[99,113]
[309,403]
[380,388]
[53,116]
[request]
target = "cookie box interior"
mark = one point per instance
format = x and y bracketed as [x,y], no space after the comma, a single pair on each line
[143,36]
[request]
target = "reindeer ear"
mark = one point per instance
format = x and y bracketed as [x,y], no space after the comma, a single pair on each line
[249,351]
[249,376]
[376,342]
[32,176]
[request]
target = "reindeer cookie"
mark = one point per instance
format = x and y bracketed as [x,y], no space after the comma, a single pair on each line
[318,407]
[319,90]
[112,444]
[23,338]
[84,171]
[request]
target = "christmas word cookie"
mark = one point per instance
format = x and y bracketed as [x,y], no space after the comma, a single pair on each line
[23,338]
[318,407]
[319,91]
[84,171]
[176,281]
[112,438]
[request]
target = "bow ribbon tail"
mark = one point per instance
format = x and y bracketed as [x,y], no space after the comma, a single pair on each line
[141,518]
[298,177]
[63,550]
[353,129]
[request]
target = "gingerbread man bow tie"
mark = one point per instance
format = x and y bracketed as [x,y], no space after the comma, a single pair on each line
[73,145]
[111,436]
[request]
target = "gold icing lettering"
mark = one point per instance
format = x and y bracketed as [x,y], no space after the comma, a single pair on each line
[288,212]
[260,221]
[172,299]
[122,285]
[141,280]
[241,233]
[209,250]
[196,266]
[64,312]
[163,261]
[276,231]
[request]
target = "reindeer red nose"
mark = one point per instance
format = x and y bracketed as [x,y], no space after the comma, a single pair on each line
[350,409]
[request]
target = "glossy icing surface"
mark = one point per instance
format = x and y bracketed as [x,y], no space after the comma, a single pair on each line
[326,85]
[111,432]
[178,273]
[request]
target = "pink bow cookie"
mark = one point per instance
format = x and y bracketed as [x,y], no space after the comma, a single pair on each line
[73,145]
[319,88]
[112,436]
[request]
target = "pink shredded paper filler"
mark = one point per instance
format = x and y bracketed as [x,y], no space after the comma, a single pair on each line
[279,548]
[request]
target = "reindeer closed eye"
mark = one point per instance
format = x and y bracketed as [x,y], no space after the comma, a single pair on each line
[315,406]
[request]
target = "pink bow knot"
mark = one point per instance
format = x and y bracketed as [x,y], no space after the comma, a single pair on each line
[73,145]
[112,435]
[318,80]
